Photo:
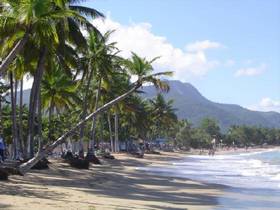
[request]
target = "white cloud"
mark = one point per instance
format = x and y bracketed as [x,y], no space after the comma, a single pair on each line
[27,82]
[267,104]
[138,37]
[202,45]
[251,71]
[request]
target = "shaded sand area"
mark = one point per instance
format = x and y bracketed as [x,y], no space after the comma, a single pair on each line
[114,185]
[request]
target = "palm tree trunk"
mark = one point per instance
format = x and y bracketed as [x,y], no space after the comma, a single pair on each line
[110,132]
[13,117]
[33,101]
[14,52]
[50,120]
[84,112]
[20,130]
[39,122]
[93,127]
[25,167]
[1,116]
[116,131]
[16,101]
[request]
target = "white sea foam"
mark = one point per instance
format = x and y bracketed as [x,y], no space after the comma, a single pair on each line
[249,170]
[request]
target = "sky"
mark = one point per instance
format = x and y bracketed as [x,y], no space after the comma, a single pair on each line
[228,49]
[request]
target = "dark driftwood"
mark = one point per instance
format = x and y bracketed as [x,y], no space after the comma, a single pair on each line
[108,156]
[137,154]
[153,152]
[75,161]
[93,159]
[42,164]
[79,163]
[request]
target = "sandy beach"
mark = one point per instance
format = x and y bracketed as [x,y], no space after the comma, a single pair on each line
[115,184]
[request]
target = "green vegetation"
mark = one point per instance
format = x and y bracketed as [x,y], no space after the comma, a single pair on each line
[240,136]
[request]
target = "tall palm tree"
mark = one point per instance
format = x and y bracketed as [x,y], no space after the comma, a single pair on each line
[63,27]
[13,116]
[106,61]
[162,113]
[99,58]
[59,92]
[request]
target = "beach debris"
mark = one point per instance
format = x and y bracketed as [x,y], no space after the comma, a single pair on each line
[75,161]
[92,158]
[41,164]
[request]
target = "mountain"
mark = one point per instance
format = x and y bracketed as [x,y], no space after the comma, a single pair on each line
[191,105]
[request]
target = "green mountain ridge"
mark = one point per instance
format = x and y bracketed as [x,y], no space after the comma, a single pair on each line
[192,105]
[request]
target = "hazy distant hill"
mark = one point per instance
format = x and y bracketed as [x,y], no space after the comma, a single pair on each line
[193,106]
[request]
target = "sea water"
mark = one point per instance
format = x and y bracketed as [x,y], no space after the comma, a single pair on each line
[256,175]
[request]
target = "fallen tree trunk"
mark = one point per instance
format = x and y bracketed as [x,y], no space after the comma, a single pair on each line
[25,167]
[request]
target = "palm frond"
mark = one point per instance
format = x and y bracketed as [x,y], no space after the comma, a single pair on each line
[87,11]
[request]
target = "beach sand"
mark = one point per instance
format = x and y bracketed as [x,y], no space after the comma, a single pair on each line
[115,184]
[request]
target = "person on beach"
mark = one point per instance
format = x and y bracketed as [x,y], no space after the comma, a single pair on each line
[212,147]
[233,145]
[2,149]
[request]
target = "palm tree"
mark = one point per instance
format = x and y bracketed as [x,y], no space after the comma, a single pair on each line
[63,26]
[163,113]
[25,18]
[13,116]
[106,60]
[59,92]
[100,57]
[19,69]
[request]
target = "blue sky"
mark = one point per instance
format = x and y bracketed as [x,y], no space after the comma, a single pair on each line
[228,49]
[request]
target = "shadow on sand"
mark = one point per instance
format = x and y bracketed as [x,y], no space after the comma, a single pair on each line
[110,181]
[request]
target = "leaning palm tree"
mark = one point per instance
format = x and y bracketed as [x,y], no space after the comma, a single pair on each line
[143,70]
[145,74]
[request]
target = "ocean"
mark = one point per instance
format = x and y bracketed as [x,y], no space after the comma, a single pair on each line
[252,178]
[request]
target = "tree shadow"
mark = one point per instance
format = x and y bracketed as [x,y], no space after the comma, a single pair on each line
[4,206]
[30,191]
[112,181]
